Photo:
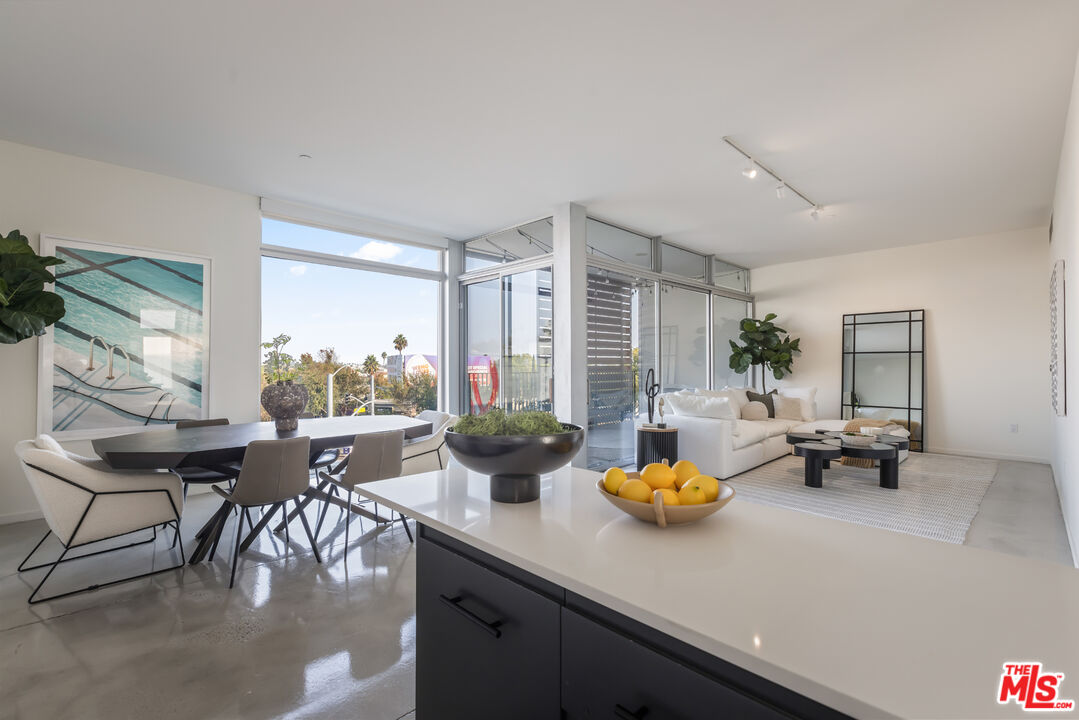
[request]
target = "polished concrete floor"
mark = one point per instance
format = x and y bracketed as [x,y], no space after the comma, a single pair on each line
[294,639]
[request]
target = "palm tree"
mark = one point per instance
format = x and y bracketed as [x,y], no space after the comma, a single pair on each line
[400,343]
[384,356]
[371,366]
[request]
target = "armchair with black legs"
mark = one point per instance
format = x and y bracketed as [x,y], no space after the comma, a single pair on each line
[85,502]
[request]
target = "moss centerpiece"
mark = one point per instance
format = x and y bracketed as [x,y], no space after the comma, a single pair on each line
[514,449]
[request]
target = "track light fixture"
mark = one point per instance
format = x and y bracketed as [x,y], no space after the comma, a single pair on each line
[782,186]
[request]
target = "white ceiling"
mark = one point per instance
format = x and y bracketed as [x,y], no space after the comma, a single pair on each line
[911,121]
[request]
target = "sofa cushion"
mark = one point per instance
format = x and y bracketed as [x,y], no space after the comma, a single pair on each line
[808,396]
[750,432]
[755,411]
[720,408]
[765,400]
[788,408]
[741,394]
[777,426]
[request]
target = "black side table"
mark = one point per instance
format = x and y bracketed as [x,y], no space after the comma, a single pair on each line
[656,445]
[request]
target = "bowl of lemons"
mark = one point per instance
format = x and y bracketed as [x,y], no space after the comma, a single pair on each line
[665,494]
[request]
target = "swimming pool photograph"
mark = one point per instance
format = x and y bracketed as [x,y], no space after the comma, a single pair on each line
[131,351]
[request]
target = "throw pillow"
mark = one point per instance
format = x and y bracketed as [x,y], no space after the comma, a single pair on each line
[703,406]
[755,411]
[742,395]
[787,408]
[765,400]
[807,395]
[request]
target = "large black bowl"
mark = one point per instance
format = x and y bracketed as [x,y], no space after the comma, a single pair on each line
[515,462]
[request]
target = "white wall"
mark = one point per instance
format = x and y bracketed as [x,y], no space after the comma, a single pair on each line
[986,301]
[1065,245]
[43,192]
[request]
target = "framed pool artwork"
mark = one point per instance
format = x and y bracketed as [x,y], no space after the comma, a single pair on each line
[132,350]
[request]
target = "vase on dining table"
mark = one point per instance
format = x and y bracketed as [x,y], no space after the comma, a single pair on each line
[284,401]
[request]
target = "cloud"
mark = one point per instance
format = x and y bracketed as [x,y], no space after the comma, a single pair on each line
[298,269]
[377,251]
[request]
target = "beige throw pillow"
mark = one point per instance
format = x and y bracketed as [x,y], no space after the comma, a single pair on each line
[755,411]
[787,408]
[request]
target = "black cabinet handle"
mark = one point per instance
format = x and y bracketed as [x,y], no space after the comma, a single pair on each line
[455,603]
[625,713]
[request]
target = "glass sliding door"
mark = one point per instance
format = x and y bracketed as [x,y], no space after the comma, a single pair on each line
[727,315]
[684,338]
[527,341]
[508,339]
[621,350]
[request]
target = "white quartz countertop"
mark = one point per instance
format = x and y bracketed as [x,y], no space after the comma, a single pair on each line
[870,622]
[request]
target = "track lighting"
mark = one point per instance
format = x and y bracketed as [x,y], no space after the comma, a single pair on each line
[751,169]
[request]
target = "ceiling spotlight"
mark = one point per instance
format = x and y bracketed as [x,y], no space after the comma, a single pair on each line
[817,211]
[781,191]
[750,170]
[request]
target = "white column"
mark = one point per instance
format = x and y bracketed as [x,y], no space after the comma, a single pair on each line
[570,302]
[451,374]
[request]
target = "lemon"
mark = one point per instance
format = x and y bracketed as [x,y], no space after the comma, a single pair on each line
[613,479]
[637,490]
[710,486]
[691,494]
[658,476]
[670,497]
[684,470]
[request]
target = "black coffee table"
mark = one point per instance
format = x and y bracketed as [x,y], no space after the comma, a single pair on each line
[817,458]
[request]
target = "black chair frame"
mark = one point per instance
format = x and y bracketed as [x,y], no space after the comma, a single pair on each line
[68,546]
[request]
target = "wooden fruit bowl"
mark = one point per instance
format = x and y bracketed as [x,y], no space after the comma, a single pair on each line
[664,515]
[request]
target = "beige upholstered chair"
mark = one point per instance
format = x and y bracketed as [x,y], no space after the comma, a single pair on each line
[374,456]
[427,453]
[85,501]
[273,472]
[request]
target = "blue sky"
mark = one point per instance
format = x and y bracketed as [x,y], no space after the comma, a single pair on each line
[354,311]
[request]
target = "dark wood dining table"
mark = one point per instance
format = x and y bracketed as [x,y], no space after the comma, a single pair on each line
[217,445]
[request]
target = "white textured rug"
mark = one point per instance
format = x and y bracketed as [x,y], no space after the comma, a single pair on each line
[938,495]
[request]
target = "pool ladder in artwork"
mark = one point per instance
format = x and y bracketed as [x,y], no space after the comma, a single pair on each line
[110,350]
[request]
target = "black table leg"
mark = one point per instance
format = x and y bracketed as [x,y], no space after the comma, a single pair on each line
[814,466]
[826,464]
[889,473]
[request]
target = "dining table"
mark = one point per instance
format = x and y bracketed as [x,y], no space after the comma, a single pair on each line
[216,447]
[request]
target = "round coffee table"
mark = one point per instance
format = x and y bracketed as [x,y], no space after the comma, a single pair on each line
[887,455]
[793,438]
[817,456]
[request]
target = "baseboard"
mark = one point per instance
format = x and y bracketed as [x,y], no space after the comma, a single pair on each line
[20,517]
[986,455]
[1072,545]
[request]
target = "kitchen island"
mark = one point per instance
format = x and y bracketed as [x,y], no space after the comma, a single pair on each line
[566,605]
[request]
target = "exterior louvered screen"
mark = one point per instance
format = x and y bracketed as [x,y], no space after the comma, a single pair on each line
[610,351]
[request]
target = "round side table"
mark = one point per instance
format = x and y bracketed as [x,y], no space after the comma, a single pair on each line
[656,444]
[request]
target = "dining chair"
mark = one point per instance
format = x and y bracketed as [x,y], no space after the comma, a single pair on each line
[84,501]
[428,452]
[208,475]
[374,456]
[273,472]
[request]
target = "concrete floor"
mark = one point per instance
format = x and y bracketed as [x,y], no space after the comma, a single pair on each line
[293,639]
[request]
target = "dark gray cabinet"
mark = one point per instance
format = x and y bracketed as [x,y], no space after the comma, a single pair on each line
[494,641]
[486,646]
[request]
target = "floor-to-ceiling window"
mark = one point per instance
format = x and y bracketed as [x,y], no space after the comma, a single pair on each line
[727,316]
[359,313]
[683,338]
[508,330]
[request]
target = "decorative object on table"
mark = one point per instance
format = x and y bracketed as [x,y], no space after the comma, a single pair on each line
[651,389]
[858,439]
[884,369]
[132,350]
[859,425]
[661,423]
[1058,368]
[656,443]
[641,496]
[282,398]
[26,307]
[765,344]
[514,449]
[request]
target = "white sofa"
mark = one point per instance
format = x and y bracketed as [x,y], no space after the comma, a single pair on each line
[724,448]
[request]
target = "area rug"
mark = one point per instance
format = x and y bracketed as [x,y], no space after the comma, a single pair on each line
[938,495]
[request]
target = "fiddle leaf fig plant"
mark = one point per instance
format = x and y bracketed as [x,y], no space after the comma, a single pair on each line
[26,307]
[766,344]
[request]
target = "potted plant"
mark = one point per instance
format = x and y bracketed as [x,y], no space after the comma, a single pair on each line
[513,449]
[282,399]
[765,344]
[26,307]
